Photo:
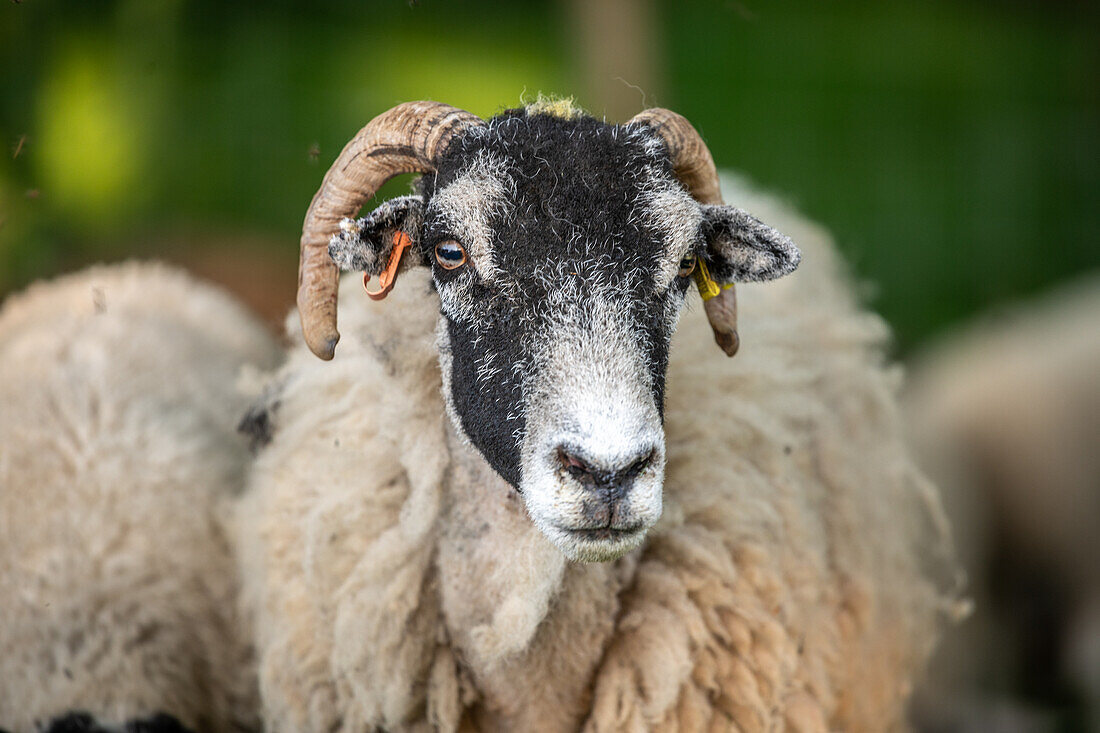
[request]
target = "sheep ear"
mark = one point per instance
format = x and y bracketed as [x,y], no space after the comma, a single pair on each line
[365,244]
[741,248]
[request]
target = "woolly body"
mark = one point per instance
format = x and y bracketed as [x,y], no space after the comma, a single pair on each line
[794,579]
[117,447]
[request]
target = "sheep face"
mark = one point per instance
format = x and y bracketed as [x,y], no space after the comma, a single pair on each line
[561,250]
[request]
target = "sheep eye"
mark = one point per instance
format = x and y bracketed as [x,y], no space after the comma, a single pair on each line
[687,266]
[450,255]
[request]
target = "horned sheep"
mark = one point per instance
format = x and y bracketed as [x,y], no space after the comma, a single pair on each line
[118,453]
[514,502]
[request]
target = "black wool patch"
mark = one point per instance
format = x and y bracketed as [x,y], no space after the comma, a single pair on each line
[257,426]
[578,190]
[74,722]
[159,723]
[82,722]
[258,423]
[493,418]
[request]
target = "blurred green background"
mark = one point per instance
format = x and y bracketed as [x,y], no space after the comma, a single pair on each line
[952,147]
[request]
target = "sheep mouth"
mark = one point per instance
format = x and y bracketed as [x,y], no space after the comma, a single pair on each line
[604,534]
[596,543]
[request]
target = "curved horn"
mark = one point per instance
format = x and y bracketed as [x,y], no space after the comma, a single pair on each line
[405,139]
[694,166]
[691,159]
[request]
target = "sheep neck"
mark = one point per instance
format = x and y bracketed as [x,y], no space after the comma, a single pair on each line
[520,616]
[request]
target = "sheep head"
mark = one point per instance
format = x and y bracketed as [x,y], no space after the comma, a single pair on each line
[562,249]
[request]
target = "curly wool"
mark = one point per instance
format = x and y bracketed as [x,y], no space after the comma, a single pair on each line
[117,447]
[796,578]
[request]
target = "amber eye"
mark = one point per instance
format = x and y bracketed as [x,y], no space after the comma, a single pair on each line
[687,266]
[450,255]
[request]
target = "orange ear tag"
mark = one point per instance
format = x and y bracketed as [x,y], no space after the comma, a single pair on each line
[388,277]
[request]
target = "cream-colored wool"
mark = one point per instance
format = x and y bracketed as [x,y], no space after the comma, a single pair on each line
[795,580]
[118,409]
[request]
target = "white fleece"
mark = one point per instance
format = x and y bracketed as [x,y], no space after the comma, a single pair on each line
[795,580]
[118,410]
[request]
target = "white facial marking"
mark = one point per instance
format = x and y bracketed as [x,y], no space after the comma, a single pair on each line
[469,203]
[672,214]
[592,392]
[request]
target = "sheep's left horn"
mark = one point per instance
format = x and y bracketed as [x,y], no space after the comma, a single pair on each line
[405,139]
[694,166]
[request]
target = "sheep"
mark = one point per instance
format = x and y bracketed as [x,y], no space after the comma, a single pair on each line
[1005,414]
[484,514]
[117,451]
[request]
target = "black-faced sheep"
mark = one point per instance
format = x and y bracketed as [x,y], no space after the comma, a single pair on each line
[117,452]
[772,557]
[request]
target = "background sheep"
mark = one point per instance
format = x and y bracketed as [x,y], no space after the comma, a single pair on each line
[1006,415]
[117,447]
[794,579]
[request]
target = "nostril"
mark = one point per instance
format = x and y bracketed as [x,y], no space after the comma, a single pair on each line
[576,466]
[640,464]
[604,473]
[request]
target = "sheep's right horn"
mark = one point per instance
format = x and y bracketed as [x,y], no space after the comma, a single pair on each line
[691,158]
[406,139]
[694,166]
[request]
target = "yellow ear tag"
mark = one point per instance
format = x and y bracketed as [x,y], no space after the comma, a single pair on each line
[708,287]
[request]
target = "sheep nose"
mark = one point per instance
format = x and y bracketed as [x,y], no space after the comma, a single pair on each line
[610,479]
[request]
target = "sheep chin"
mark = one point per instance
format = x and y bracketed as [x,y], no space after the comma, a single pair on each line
[578,549]
[555,506]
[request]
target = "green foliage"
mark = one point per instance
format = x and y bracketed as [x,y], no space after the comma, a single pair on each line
[952,147]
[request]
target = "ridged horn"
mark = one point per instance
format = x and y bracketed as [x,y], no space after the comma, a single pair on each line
[694,167]
[406,139]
